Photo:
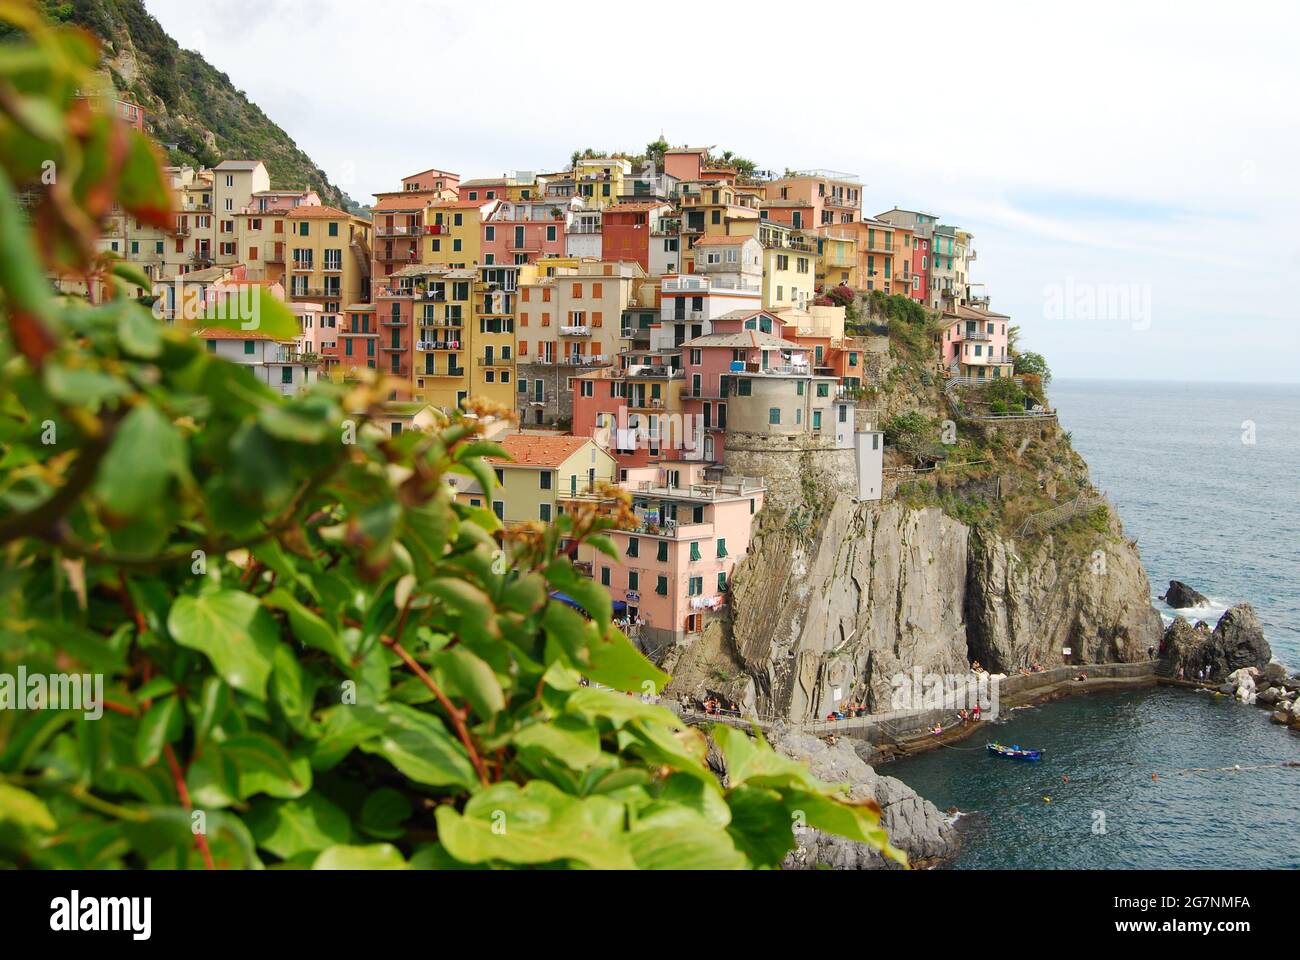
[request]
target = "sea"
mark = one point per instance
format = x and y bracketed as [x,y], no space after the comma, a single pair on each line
[1206,478]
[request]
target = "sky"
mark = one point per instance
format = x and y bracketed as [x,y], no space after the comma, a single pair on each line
[1128,169]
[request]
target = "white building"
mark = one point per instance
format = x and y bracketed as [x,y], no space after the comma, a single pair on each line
[277,363]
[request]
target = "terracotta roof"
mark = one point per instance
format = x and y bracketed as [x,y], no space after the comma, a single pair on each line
[318,213]
[635,206]
[460,204]
[746,338]
[415,200]
[531,450]
[445,173]
[722,241]
[221,333]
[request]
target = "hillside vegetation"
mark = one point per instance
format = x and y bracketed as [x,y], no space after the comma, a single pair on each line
[191,107]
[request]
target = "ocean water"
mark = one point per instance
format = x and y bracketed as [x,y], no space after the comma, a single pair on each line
[1222,515]
[1112,814]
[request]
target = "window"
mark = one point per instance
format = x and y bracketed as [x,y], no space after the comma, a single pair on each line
[499,508]
[546,512]
[695,586]
[823,389]
[286,374]
[722,547]
[249,347]
[633,547]
[604,576]
[774,415]
[633,580]
[663,551]
[744,388]
[722,581]
[799,388]
[695,550]
[661,586]
[817,419]
[545,475]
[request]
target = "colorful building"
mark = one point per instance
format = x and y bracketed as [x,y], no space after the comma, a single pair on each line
[674,569]
[973,343]
[541,476]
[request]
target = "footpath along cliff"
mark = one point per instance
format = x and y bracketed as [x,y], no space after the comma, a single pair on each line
[998,550]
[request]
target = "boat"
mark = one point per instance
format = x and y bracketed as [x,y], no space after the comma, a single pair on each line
[1015,752]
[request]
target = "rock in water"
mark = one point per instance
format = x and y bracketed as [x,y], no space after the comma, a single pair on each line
[1180,596]
[1241,639]
[913,823]
[1238,641]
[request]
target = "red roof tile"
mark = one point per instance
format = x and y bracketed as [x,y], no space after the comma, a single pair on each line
[530,450]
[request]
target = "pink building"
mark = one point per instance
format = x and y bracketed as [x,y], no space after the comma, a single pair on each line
[675,567]
[522,232]
[974,344]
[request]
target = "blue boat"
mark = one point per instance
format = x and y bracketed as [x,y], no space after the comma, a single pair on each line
[1016,752]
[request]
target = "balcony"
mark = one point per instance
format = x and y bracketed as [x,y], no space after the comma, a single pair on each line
[575,330]
[665,227]
[181,230]
[297,356]
[709,490]
[391,321]
[703,393]
[496,361]
[399,231]
[673,530]
[274,256]
[441,322]
[438,345]
[977,335]
[316,293]
[634,333]
[393,256]
[302,266]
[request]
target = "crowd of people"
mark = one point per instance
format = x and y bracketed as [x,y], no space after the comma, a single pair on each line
[848,711]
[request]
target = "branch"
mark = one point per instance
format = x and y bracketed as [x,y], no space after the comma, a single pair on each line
[457,716]
[41,521]
[182,791]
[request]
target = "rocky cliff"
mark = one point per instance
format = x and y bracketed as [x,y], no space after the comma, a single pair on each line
[837,597]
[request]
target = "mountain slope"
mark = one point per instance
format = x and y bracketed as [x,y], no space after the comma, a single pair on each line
[191,107]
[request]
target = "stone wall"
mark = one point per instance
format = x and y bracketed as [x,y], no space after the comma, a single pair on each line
[557,397]
[791,465]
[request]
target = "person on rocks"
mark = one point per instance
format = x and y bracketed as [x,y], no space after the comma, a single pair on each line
[976,711]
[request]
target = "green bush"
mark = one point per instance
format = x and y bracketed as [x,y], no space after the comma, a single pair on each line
[310,654]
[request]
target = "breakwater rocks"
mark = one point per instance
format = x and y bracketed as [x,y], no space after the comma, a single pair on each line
[914,824]
[1180,596]
[1235,655]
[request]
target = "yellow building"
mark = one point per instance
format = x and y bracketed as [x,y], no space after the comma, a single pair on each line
[837,257]
[456,227]
[492,343]
[790,266]
[442,311]
[542,472]
[599,180]
[328,257]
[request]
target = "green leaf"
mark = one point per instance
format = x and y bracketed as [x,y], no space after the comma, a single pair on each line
[615,662]
[147,453]
[292,827]
[82,385]
[25,809]
[536,824]
[307,627]
[678,838]
[474,680]
[571,741]
[233,630]
[161,725]
[384,812]
[378,856]
[265,315]
[418,745]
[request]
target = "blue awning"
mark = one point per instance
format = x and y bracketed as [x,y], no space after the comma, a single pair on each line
[566,599]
